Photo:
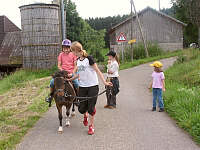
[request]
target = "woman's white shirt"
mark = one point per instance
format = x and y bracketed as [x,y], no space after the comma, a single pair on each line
[87,74]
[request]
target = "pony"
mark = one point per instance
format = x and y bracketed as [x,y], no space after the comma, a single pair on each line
[62,88]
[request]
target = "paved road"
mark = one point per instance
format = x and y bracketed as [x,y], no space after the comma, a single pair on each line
[132,126]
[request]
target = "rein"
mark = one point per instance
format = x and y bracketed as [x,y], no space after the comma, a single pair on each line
[66,95]
[86,98]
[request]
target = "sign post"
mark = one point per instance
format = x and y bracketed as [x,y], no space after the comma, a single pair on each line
[121,39]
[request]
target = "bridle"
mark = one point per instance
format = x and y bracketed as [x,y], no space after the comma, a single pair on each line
[66,92]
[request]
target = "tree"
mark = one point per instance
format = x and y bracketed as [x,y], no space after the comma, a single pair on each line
[106,23]
[188,12]
[93,40]
[78,29]
[74,25]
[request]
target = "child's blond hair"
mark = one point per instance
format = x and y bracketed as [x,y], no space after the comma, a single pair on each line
[77,46]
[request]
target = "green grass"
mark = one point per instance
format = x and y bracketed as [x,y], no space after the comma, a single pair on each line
[19,78]
[14,138]
[14,128]
[127,65]
[182,98]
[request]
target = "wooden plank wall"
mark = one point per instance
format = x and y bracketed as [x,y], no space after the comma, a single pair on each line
[40,36]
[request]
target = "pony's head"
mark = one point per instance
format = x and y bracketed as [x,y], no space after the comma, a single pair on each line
[59,83]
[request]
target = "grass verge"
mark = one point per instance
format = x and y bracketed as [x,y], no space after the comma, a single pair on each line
[127,65]
[20,109]
[182,95]
[19,78]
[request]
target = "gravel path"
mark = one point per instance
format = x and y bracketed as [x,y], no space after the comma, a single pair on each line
[132,126]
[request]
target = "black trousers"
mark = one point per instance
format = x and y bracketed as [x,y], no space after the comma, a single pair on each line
[112,92]
[88,105]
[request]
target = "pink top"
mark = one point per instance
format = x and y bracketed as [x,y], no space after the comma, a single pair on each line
[67,61]
[157,79]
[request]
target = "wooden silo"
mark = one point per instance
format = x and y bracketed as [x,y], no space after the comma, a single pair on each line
[40,35]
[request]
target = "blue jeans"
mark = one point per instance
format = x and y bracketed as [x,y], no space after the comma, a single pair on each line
[75,83]
[157,93]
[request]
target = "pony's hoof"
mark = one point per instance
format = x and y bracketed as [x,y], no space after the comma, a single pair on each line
[67,124]
[60,130]
[73,114]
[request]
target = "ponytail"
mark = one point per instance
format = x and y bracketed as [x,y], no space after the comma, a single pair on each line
[117,59]
[85,54]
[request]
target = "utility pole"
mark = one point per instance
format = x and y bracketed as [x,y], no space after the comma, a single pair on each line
[145,45]
[63,19]
[159,5]
[131,30]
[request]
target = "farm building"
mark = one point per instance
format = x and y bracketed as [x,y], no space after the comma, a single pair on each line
[157,27]
[37,45]
[10,43]
[40,35]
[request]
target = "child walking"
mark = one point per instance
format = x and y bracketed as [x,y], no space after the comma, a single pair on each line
[158,85]
[112,75]
[88,84]
[67,62]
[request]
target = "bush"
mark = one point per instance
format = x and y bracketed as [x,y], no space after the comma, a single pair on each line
[139,51]
[188,55]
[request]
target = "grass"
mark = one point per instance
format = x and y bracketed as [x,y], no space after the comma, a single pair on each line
[127,65]
[182,95]
[19,78]
[21,112]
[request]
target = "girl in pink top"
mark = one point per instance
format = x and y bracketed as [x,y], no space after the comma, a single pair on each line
[158,85]
[67,62]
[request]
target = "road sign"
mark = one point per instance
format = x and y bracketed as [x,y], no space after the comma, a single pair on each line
[132,41]
[121,37]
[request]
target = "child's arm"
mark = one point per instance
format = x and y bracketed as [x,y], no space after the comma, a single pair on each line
[150,86]
[95,67]
[113,69]
[75,70]
[59,65]
[73,78]
[163,83]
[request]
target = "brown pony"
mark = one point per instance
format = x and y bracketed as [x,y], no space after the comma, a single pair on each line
[62,88]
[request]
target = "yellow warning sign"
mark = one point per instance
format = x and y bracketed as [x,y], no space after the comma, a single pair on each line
[132,41]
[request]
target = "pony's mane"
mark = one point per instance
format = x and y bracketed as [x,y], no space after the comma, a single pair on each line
[59,73]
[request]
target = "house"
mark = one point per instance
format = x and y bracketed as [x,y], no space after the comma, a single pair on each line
[10,43]
[157,27]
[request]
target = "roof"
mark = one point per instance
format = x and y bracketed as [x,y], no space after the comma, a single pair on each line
[11,50]
[38,4]
[10,42]
[6,26]
[145,10]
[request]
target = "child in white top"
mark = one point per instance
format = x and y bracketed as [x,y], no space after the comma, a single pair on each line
[112,75]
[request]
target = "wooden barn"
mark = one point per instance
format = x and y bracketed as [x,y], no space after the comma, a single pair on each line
[157,27]
[10,43]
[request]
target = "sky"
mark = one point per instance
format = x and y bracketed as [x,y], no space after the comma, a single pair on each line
[85,8]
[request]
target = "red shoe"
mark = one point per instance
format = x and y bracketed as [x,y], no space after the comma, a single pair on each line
[85,121]
[91,130]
